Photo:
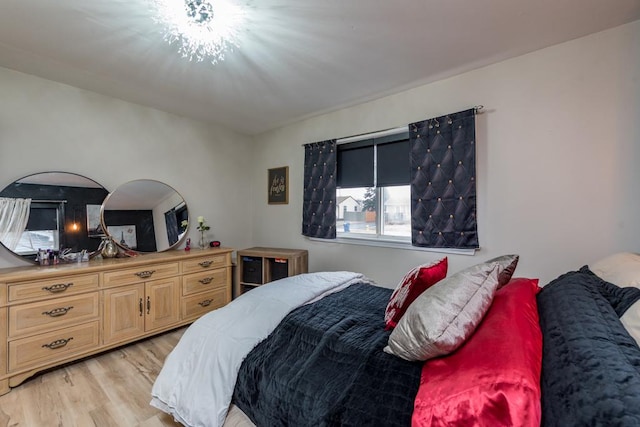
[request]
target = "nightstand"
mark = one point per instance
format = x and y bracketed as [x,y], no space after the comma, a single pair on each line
[257,266]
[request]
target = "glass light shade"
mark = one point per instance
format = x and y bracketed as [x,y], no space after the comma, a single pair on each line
[202,29]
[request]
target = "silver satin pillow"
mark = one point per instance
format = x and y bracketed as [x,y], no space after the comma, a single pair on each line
[508,263]
[446,314]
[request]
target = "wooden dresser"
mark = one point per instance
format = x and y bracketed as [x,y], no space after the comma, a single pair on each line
[57,314]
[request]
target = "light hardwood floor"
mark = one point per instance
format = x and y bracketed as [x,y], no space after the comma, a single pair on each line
[111,389]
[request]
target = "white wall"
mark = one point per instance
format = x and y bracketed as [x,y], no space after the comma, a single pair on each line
[558,159]
[47,126]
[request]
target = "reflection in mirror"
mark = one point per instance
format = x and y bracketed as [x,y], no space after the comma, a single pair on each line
[48,211]
[145,216]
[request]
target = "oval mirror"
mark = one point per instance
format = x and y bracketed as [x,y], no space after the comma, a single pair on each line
[145,215]
[53,211]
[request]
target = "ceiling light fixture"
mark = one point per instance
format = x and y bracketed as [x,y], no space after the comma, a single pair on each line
[202,29]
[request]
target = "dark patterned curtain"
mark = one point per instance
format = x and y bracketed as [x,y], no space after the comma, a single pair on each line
[171,220]
[443,186]
[319,205]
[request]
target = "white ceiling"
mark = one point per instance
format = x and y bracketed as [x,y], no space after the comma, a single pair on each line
[141,194]
[297,59]
[64,179]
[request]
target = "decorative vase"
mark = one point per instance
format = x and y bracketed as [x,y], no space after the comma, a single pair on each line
[109,248]
[201,243]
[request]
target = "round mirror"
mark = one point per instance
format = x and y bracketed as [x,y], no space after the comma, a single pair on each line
[145,216]
[51,211]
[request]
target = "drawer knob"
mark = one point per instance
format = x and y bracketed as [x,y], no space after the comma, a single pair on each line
[145,274]
[57,288]
[205,303]
[205,264]
[57,312]
[57,343]
[206,280]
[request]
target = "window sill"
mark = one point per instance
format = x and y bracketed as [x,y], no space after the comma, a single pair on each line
[392,244]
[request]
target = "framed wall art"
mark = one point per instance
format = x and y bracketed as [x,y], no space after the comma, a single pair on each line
[278,190]
[124,234]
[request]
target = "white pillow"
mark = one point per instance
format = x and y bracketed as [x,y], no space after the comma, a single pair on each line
[446,314]
[631,321]
[622,269]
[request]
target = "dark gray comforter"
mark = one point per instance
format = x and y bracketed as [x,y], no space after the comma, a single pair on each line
[324,366]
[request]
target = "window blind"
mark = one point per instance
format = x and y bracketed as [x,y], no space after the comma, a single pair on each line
[380,161]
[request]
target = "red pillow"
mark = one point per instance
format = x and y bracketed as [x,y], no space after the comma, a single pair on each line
[493,379]
[410,287]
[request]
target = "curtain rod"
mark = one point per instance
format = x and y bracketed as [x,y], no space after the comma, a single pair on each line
[48,201]
[375,134]
[476,108]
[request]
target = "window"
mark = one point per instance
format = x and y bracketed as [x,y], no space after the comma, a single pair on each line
[373,195]
[424,177]
[43,228]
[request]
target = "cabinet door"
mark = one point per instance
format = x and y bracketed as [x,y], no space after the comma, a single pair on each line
[4,384]
[162,304]
[123,313]
[3,342]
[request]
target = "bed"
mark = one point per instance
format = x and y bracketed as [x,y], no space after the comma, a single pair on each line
[318,349]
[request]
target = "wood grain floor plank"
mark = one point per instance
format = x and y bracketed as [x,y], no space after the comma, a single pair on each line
[111,389]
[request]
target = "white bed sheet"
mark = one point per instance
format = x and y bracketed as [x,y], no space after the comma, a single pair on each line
[197,380]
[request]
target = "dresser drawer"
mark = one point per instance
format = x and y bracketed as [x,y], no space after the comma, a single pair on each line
[197,305]
[206,263]
[205,281]
[52,287]
[139,274]
[50,347]
[53,314]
